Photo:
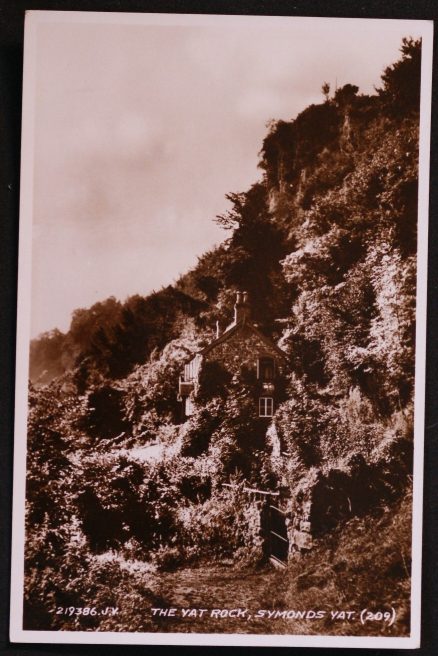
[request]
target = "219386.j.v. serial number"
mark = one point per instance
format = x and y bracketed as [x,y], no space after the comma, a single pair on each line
[86,610]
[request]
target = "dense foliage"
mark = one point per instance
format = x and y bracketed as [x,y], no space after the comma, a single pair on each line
[325,244]
[110,338]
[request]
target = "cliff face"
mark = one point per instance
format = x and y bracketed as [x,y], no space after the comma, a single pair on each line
[326,245]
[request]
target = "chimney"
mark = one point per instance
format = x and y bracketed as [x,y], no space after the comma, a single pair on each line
[218,329]
[241,308]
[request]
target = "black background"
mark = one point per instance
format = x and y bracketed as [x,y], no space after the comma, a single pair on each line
[11,59]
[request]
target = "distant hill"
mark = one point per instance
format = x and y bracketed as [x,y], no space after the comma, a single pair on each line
[112,337]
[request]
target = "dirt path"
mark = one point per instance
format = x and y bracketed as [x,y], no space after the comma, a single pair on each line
[208,594]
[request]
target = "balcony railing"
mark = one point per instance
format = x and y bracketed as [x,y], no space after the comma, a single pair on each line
[191,369]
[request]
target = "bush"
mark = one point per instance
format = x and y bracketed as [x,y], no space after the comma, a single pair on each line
[217,528]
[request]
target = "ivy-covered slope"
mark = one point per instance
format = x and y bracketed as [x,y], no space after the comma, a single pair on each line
[326,246]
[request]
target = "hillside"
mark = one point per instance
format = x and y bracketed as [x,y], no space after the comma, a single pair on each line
[325,246]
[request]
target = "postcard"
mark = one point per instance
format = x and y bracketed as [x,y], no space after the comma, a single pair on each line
[221,330]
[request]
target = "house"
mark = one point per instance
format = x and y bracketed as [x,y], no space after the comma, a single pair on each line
[241,345]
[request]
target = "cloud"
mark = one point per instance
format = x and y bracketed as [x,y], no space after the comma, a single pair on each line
[142,130]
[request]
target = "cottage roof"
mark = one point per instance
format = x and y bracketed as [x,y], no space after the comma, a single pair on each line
[235,328]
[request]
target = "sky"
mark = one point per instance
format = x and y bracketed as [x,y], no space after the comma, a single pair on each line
[141,129]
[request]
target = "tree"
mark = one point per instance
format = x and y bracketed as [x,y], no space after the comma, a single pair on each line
[344,96]
[401,81]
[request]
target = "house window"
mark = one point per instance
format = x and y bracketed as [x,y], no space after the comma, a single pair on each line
[266,406]
[265,369]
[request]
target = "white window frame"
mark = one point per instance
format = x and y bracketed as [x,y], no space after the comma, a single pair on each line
[266,406]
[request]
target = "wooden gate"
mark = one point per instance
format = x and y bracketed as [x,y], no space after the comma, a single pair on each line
[273,523]
[278,540]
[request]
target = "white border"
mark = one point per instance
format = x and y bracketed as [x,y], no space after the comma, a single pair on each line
[17,634]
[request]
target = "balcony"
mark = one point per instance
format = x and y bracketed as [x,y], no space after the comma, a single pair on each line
[185,387]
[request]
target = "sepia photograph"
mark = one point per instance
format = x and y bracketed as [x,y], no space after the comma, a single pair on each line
[221,330]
